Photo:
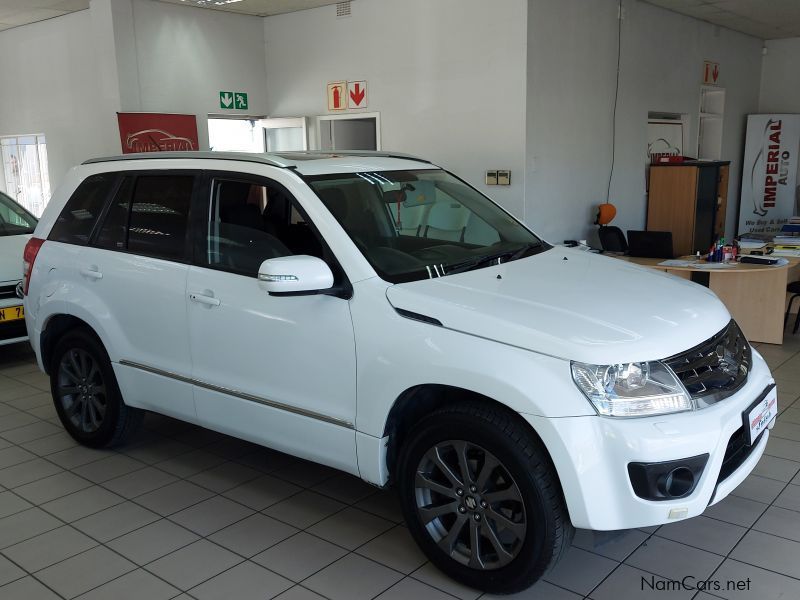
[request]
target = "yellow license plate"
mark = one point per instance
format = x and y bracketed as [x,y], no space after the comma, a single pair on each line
[11,313]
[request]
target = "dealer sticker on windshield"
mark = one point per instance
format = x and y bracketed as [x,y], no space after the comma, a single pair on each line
[761,413]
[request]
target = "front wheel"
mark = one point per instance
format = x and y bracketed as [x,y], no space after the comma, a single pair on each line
[85,392]
[481,499]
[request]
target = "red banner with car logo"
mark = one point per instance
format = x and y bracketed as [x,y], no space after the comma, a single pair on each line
[157,132]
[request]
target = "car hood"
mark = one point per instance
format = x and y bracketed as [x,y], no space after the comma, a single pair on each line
[11,249]
[571,304]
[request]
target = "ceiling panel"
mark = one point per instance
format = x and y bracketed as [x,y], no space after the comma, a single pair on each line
[764,19]
[261,8]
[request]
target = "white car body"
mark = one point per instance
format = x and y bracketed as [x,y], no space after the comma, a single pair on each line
[238,360]
[11,247]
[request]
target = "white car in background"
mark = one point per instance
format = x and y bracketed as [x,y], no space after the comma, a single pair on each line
[16,227]
[376,314]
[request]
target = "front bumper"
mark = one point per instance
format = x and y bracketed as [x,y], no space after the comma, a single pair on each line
[591,455]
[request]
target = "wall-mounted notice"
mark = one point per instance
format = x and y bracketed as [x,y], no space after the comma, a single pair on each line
[157,132]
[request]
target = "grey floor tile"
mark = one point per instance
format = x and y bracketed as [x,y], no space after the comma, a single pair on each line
[26,524]
[35,379]
[84,572]
[736,510]
[208,516]
[542,590]
[109,467]
[231,448]
[769,552]
[14,455]
[315,552]
[27,472]
[135,585]
[740,581]
[350,528]
[115,521]
[304,509]
[139,482]
[411,588]
[28,433]
[9,572]
[20,418]
[781,522]
[395,549]
[193,564]
[253,535]
[82,504]
[174,497]
[789,497]
[27,589]
[50,444]
[776,468]
[430,575]
[77,456]
[760,489]
[186,465]
[352,577]
[633,584]
[266,460]
[783,448]
[305,474]
[345,488]
[10,503]
[49,548]
[298,592]
[790,415]
[262,492]
[158,451]
[152,541]
[46,413]
[580,571]
[50,488]
[673,560]
[785,429]
[616,545]
[224,477]
[245,581]
[704,533]
[385,504]
[29,402]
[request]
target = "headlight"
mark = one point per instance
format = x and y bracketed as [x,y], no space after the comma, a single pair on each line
[632,390]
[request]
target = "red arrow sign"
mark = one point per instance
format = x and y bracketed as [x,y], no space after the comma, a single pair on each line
[357,94]
[716,73]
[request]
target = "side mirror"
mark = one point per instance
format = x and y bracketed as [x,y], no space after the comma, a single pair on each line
[295,275]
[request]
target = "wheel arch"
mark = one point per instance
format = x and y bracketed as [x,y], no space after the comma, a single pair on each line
[55,328]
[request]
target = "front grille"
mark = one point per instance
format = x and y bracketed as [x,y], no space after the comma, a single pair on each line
[8,291]
[736,453]
[715,369]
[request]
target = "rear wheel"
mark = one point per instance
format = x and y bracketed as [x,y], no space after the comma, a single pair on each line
[481,499]
[87,398]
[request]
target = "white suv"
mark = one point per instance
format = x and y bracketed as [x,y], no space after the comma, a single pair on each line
[16,227]
[375,313]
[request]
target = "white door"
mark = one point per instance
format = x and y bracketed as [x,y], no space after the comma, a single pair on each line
[279,371]
[134,272]
[285,134]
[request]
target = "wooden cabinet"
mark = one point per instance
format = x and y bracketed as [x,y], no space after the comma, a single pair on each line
[690,200]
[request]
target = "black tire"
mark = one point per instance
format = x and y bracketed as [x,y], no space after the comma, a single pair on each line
[519,503]
[85,392]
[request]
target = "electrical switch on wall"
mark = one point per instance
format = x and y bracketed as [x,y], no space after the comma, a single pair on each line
[498,177]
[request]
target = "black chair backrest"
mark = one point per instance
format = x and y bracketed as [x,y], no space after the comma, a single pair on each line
[612,239]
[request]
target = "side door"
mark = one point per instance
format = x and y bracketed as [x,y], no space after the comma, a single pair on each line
[276,370]
[133,273]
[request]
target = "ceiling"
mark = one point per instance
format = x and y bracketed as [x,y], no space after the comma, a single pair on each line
[766,19]
[14,13]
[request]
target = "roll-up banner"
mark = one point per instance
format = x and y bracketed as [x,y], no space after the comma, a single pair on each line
[769,173]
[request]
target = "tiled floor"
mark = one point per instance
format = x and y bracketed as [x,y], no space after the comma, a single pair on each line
[182,512]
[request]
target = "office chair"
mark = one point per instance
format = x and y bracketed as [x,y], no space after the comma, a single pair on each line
[792,288]
[612,239]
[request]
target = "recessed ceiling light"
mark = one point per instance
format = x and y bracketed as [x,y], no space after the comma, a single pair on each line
[211,2]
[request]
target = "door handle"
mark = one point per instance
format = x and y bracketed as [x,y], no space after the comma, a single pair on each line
[92,273]
[203,299]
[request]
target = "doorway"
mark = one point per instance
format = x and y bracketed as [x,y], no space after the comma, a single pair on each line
[350,132]
[235,135]
[27,179]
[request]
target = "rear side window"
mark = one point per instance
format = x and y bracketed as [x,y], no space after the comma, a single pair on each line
[149,216]
[76,221]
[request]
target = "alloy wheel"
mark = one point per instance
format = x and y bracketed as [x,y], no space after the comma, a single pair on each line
[81,390]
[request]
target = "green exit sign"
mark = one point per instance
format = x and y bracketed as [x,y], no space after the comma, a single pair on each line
[233,100]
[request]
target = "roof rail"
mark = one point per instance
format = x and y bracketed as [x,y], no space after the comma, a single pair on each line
[369,153]
[207,155]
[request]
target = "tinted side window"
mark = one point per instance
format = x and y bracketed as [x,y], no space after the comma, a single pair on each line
[150,216]
[80,213]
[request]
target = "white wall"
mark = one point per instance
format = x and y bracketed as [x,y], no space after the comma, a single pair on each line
[448,78]
[571,73]
[49,85]
[780,77]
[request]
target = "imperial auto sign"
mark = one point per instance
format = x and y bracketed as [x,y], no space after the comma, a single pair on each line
[769,173]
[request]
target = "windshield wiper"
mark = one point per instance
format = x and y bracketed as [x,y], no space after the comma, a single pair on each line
[508,255]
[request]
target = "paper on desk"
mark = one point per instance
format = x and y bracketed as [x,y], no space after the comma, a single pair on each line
[708,265]
[676,263]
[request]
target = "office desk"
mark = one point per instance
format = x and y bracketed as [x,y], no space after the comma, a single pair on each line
[755,295]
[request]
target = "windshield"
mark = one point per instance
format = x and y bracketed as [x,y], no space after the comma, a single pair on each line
[418,224]
[14,220]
